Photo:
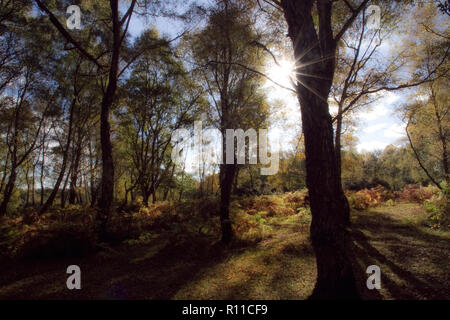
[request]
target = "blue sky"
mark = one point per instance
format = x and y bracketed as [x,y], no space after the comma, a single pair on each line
[381,126]
[378,125]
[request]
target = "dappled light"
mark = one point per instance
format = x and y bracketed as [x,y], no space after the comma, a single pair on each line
[221,152]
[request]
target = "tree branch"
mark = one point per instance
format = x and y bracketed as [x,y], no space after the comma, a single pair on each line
[349,22]
[254,71]
[66,34]
[418,158]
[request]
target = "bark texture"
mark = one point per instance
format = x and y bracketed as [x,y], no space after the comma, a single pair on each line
[315,55]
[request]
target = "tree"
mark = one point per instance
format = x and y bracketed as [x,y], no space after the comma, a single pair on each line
[226,58]
[362,74]
[108,60]
[315,44]
[159,100]
[24,119]
[426,117]
[428,132]
[73,104]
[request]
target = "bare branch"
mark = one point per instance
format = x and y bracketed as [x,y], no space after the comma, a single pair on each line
[254,71]
[349,22]
[66,34]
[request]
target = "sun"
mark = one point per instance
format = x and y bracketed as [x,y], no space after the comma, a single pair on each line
[281,73]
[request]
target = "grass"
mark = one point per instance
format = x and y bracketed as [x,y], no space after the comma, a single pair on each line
[414,259]
[271,259]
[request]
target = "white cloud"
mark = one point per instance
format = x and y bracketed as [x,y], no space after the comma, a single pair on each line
[371,145]
[381,107]
[377,111]
[390,97]
[376,127]
[395,131]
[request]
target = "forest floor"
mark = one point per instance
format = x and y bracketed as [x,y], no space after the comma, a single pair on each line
[414,264]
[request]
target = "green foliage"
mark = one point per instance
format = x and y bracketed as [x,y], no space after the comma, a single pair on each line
[438,211]
[144,238]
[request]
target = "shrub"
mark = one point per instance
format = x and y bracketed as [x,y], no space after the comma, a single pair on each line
[366,198]
[415,193]
[438,211]
[144,238]
[296,199]
[57,240]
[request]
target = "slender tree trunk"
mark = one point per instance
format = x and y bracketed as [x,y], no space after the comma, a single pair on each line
[419,160]
[93,186]
[107,182]
[442,136]
[86,188]
[63,190]
[180,194]
[338,152]
[227,172]
[8,190]
[235,181]
[41,179]
[154,199]
[145,195]
[329,208]
[33,191]
[252,185]
[78,194]
[5,172]
[166,191]
[27,198]
[337,140]
[74,176]
[55,190]
[127,191]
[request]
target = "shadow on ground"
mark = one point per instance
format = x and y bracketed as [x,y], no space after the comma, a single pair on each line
[414,261]
[414,264]
[174,267]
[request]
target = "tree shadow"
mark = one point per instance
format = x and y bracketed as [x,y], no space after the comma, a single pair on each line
[403,246]
[129,275]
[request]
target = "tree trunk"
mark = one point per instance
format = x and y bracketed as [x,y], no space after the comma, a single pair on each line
[418,158]
[154,195]
[33,191]
[227,172]
[74,176]
[107,182]
[93,187]
[55,190]
[8,191]
[41,179]
[235,181]
[5,170]
[63,191]
[169,183]
[442,136]
[145,196]
[338,151]
[337,141]
[27,197]
[329,208]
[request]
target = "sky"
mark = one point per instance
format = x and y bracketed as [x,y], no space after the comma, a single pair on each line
[381,126]
[378,126]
